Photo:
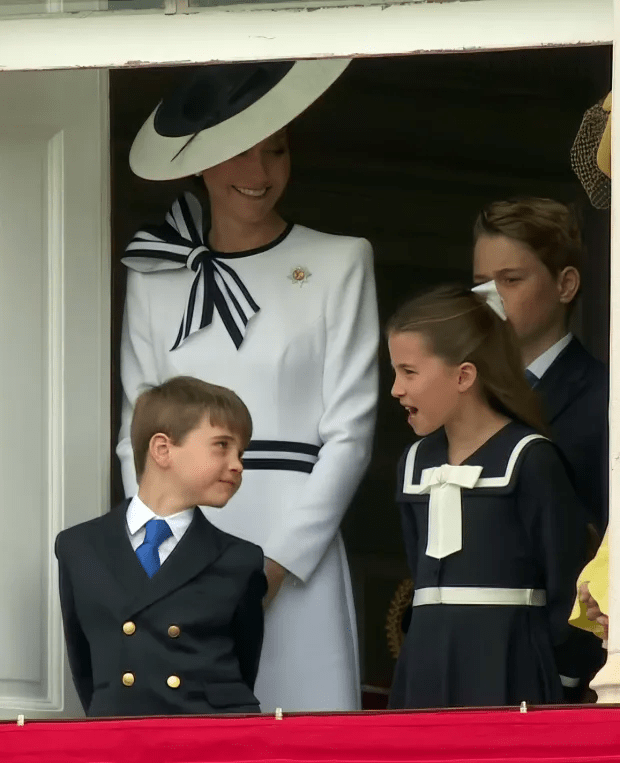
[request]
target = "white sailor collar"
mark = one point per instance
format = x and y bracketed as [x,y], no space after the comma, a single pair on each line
[419,486]
[444,483]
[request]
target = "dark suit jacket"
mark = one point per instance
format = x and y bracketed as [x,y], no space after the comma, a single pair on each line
[210,587]
[575,394]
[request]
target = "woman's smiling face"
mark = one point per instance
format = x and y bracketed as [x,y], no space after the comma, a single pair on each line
[248,186]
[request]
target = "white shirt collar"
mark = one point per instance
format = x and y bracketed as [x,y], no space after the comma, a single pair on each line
[138,514]
[543,362]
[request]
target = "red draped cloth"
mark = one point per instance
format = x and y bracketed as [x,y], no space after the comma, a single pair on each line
[576,735]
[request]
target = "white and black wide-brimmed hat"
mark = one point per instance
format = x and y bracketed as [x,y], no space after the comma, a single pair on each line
[224,110]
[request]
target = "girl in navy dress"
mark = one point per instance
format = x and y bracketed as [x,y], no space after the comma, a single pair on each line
[493,531]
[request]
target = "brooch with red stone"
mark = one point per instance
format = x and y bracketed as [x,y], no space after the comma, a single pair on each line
[299,275]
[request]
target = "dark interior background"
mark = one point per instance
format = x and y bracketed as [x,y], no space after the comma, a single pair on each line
[403,151]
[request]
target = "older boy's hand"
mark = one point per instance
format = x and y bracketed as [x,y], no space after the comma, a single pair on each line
[593,611]
[275,577]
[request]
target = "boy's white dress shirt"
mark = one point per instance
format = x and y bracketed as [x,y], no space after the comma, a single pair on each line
[138,514]
[544,362]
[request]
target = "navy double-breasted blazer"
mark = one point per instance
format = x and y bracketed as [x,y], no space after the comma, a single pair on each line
[186,641]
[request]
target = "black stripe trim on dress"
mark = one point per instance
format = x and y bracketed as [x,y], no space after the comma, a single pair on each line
[235,302]
[147,254]
[284,446]
[278,464]
[249,252]
[240,284]
[188,219]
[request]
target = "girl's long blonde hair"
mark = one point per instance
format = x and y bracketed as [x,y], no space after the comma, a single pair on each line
[460,327]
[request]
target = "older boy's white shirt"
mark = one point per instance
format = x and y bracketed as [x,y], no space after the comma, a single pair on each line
[138,514]
[543,363]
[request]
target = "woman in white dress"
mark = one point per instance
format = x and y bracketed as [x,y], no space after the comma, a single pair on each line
[284,315]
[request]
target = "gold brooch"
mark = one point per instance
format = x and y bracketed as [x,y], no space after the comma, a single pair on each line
[299,275]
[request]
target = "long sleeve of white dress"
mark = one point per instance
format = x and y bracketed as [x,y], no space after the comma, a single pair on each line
[349,391]
[138,371]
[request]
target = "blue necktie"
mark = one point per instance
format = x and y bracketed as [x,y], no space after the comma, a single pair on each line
[531,378]
[157,530]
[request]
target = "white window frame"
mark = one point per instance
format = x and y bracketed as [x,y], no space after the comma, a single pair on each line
[607,682]
[259,32]
[180,35]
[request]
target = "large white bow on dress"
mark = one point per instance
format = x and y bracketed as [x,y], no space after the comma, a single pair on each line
[445,511]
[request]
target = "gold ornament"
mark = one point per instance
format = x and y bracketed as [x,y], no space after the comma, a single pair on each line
[400,601]
[299,275]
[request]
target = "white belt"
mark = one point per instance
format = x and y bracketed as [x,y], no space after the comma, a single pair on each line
[530,597]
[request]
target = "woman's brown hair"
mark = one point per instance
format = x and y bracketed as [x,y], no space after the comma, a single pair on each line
[460,327]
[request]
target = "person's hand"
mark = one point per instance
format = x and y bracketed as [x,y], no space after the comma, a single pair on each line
[593,611]
[275,574]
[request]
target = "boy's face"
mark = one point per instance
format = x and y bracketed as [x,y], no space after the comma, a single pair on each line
[206,466]
[531,295]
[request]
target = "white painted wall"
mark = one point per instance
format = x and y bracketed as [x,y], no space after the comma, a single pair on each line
[54,360]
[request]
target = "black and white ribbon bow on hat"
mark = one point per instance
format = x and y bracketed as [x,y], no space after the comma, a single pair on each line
[179,243]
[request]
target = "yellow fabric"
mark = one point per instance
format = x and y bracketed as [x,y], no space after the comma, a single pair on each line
[603,157]
[596,575]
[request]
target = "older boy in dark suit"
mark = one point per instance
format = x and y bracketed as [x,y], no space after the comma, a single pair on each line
[532,249]
[162,611]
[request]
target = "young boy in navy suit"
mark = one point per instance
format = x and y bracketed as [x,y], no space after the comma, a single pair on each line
[162,611]
[532,249]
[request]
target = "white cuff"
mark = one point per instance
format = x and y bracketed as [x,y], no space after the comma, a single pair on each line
[569,683]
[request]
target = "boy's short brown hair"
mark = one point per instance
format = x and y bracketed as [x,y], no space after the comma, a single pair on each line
[549,228]
[178,406]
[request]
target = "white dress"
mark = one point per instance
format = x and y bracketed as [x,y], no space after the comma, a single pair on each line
[307,370]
